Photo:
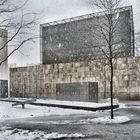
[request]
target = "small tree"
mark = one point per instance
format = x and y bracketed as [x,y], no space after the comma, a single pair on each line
[17,23]
[110,42]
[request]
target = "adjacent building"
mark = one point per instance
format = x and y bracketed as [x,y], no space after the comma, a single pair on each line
[4,65]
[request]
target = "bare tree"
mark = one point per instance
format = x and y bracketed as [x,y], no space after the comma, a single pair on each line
[17,25]
[107,34]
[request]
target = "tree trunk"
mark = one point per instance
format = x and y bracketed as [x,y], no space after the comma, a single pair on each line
[111,90]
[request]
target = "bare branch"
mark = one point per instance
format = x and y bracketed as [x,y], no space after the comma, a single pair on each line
[21,44]
[10,8]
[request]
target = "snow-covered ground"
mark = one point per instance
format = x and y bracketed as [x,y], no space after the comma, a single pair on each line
[19,134]
[108,120]
[8,112]
[74,103]
[71,103]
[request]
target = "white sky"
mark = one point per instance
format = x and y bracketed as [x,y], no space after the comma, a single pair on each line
[52,10]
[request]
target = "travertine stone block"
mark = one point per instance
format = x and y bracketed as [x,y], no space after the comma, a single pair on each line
[27,80]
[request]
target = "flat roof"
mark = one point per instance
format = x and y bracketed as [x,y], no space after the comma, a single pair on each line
[121,9]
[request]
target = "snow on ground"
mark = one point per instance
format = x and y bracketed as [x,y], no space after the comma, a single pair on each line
[108,120]
[9,112]
[98,120]
[72,103]
[82,104]
[19,134]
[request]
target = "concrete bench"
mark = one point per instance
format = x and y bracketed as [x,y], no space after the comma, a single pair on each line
[23,102]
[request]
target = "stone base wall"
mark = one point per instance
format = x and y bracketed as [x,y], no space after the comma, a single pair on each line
[85,91]
[41,80]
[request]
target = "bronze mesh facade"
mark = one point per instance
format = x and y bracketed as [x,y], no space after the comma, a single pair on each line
[75,39]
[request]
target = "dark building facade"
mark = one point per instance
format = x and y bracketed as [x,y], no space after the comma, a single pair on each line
[76,39]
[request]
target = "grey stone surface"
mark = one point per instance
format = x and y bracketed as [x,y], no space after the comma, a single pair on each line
[40,80]
[80,91]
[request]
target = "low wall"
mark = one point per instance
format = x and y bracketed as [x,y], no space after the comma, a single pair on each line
[41,80]
[81,91]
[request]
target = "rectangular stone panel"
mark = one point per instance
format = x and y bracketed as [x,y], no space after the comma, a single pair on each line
[80,91]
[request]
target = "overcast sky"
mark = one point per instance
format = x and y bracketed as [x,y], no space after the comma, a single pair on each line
[51,10]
